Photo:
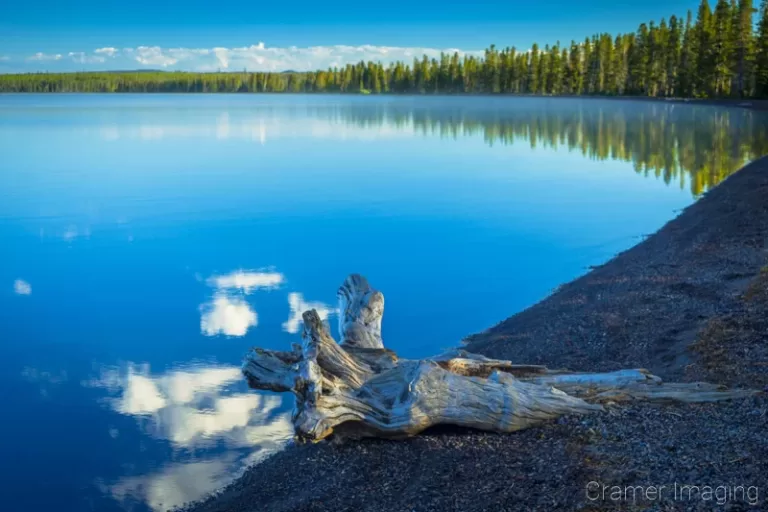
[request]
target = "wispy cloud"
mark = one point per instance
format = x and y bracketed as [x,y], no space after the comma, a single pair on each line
[256,57]
[83,58]
[39,56]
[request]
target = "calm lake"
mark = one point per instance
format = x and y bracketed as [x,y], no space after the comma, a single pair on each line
[148,240]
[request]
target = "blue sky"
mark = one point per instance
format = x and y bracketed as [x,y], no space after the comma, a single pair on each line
[64,36]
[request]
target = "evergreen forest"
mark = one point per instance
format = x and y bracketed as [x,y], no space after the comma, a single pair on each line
[719,51]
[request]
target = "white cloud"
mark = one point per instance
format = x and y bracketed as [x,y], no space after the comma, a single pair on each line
[153,56]
[21,287]
[222,56]
[227,315]
[299,306]
[44,56]
[259,57]
[247,281]
[256,57]
[108,51]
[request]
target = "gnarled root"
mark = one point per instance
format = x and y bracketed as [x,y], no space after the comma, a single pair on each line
[360,389]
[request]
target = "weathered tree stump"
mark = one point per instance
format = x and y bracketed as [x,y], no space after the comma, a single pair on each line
[358,388]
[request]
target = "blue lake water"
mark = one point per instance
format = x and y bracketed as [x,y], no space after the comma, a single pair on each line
[148,240]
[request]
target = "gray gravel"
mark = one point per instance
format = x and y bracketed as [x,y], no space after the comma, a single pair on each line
[546,468]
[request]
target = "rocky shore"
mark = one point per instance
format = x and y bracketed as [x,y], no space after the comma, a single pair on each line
[688,303]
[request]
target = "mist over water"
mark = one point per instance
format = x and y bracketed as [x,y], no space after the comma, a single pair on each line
[149,240]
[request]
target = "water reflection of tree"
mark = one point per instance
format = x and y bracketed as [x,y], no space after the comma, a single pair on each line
[695,145]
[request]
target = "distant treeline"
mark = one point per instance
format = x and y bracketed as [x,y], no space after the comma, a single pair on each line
[717,55]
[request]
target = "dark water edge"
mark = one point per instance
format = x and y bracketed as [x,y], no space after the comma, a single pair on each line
[656,305]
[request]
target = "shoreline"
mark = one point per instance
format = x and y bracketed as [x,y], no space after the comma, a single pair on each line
[689,303]
[648,305]
[747,103]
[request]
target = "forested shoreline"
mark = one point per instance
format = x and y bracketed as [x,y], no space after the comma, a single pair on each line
[717,52]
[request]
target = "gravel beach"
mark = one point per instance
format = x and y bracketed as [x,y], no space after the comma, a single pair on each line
[688,303]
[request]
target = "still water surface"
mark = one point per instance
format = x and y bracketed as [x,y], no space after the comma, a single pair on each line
[147,241]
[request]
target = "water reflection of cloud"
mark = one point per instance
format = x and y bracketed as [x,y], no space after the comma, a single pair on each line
[298,306]
[257,129]
[247,281]
[191,409]
[186,482]
[21,287]
[232,315]
[227,315]
[72,232]
[174,485]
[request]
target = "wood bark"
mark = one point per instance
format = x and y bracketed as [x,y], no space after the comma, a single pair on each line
[358,388]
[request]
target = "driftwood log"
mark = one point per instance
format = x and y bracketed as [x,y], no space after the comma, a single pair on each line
[358,388]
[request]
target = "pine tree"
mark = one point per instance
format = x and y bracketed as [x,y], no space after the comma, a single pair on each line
[761,44]
[687,75]
[638,61]
[575,69]
[657,69]
[722,49]
[543,70]
[672,56]
[533,70]
[618,66]
[704,42]
[743,58]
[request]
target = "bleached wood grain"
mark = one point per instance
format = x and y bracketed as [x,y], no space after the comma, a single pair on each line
[359,388]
